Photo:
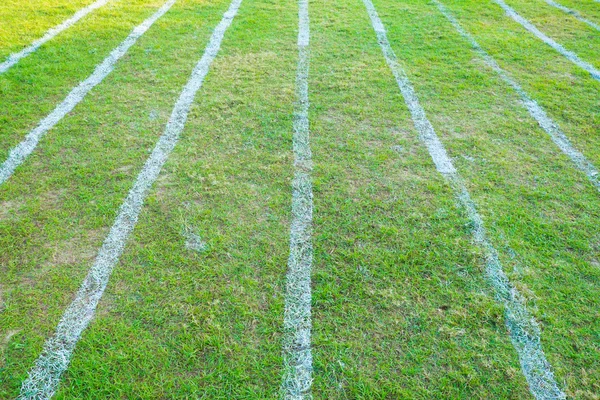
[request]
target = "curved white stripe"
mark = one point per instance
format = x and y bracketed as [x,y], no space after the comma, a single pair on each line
[20,152]
[569,55]
[535,110]
[574,13]
[44,377]
[52,32]
[297,355]
[524,330]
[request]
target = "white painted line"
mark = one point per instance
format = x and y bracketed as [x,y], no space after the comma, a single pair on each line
[20,152]
[524,330]
[44,377]
[574,58]
[535,110]
[51,33]
[573,13]
[297,353]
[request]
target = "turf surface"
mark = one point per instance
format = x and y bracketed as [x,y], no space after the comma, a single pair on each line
[401,308]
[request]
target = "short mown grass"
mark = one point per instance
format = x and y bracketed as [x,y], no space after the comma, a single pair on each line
[401,308]
[22,22]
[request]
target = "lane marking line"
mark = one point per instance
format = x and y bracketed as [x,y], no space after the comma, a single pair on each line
[569,55]
[523,329]
[574,14]
[20,152]
[534,109]
[297,353]
[44,377]
[50,34]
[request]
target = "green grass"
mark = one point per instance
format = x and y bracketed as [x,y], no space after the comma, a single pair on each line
[401,308]
[23,22]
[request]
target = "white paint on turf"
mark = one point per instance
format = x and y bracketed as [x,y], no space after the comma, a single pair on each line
[569,55]
[20,152]
[574,13]
[297,354]
[524,330]
[44,377]
[51,33]
[535,110]
[194,242]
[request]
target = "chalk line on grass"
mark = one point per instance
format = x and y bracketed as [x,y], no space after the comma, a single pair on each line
[194,242]
[50,34]
[20,152]
[297,353]
[569,55]
[523,329]
[45,375]
[535,110]
[573,13]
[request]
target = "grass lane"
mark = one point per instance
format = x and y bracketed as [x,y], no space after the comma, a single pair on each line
[400,306]
[565,29]
[57,210]
[570,55]
[23,22]
[567,93]
[588,9]
[176,322]
[522,327]
[576,14]
[20,153]
[535,110]
[14,58]
[31,89]
[540,211]
[45,376]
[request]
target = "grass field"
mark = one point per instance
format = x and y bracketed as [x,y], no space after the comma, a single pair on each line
[402,303]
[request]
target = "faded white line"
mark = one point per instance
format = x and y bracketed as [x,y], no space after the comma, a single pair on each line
[44,377]
[51,33]
[535,110]
[571,56]
[573,13]
[297,353]
[20,152]
[194,242]
[524,330]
